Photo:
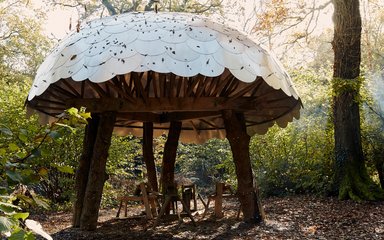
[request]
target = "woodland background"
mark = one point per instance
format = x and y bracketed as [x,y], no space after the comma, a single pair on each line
[37,163]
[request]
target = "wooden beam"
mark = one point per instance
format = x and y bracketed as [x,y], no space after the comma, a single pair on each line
[138,86]
[162,104]
[68,85]
[191,85]
[166,116]
[120,91]
[222,83]
[61,90]
[41,99]
[98,89]
[48,107]
[82,89]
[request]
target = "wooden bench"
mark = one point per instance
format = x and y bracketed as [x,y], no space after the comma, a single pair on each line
[145,196]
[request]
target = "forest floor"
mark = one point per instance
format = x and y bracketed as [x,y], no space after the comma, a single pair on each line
[290,217]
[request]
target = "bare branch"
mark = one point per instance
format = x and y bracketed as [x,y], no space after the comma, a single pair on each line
[67,4]
[4,9]
[206,6]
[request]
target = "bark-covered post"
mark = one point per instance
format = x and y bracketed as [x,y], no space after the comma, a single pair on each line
[239,140]
[351,179]
[97,174]
[148,155]
[83,168]
[169,157]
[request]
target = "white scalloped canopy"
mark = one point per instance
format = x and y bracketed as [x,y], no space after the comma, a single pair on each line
[179,44]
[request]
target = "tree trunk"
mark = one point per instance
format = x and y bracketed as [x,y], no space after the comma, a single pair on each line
[148,155]
[169,157]
[97,174]
[379,163]
[83,169]
[239,140]
[380,170]
[351,177]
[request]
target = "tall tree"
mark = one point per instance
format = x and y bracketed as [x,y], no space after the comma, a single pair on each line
[351,177]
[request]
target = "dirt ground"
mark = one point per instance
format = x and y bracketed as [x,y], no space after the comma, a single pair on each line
[293,217]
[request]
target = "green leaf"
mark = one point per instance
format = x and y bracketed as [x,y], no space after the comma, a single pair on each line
[26,199]
[54,134]
[35,153]
[85,115]
[14,176]
[5,224]
[13,147]
[8,207]
[29,236]
[72,111]
[21,216]
[21,155]
[41,202]
[23,138]
[3,151]
[6,131]
[64,169]
[73,130]
[3,190]
[21,234]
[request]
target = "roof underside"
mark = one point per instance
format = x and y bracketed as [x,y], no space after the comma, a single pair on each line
[160,98]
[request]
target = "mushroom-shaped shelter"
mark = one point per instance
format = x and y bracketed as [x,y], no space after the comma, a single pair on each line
[163,68]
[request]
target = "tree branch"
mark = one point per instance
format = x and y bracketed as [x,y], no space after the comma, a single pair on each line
[112,11]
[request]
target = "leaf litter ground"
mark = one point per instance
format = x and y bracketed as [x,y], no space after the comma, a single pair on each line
[290,217]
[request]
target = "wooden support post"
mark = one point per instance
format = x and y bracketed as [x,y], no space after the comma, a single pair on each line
[83,168]
[219,200]
[97,174]
[148,155]
[239,141]
[169,157]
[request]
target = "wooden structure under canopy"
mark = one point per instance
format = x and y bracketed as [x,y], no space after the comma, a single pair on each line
[175,71]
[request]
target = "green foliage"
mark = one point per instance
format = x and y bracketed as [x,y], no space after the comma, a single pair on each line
[205,163]
[298,159]
[22,43]
[124,168]
[23,168]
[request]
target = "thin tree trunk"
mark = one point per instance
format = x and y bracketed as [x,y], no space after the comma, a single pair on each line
[380,171]
[239,140]
[169,157]
[148,155]
[351,177]
[379,164]
[83,169]
[97,174]
[112,11]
